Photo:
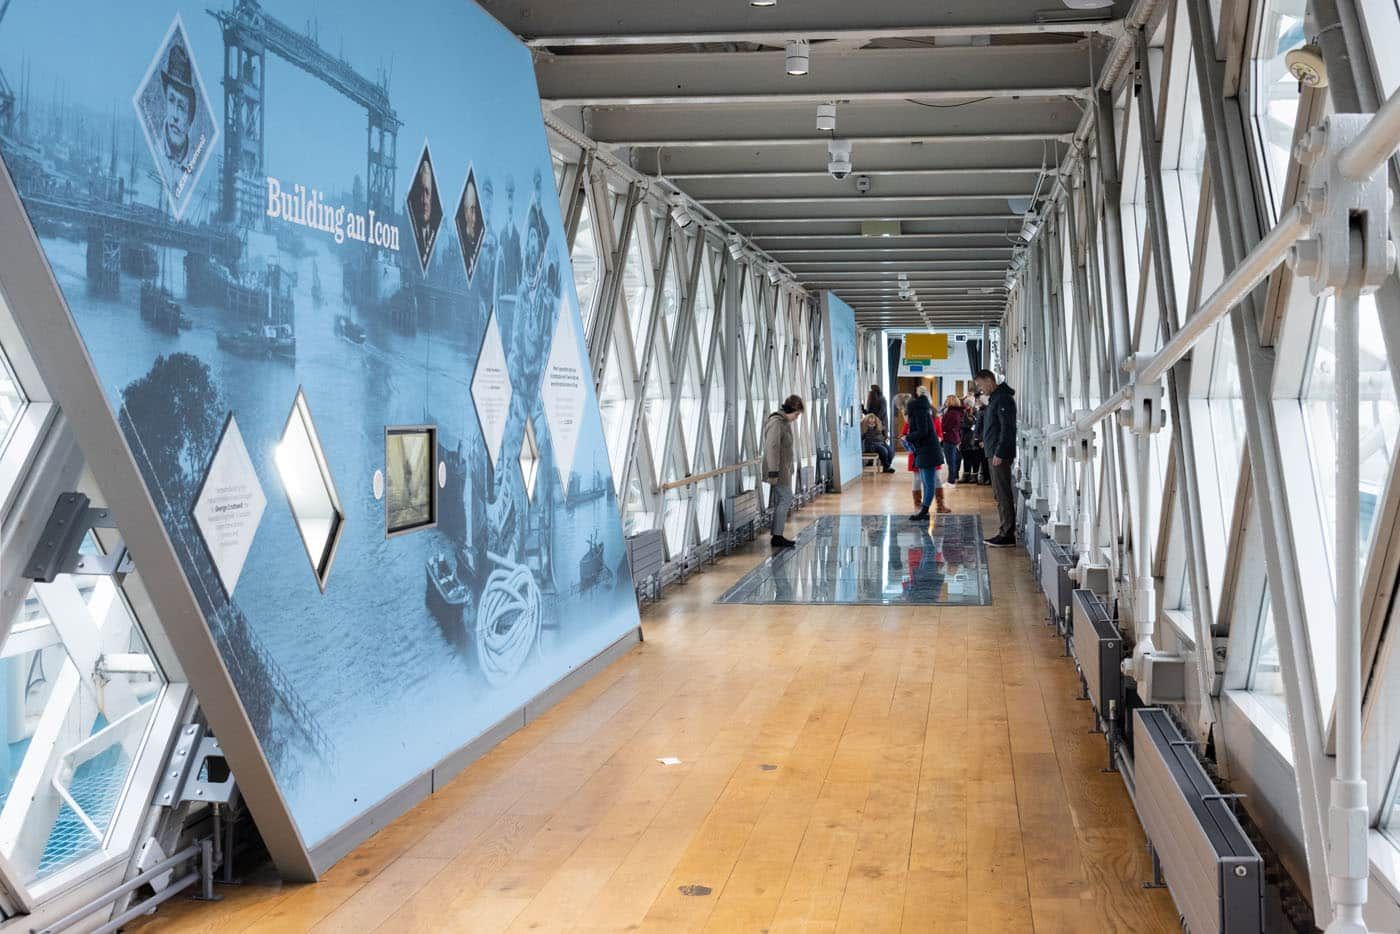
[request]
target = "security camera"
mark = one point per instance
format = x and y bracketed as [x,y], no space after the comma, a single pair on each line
[862,184]
[839,163]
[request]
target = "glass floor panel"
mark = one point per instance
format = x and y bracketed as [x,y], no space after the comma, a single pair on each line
[875,560]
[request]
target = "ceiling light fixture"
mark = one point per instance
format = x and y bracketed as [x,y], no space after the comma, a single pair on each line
[736,246]
[681,215]
[799,57]
[826,118]
[763,3]
[774,275]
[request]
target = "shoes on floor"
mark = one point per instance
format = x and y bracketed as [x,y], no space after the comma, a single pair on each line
[984,482]
[944,511]
[779,541]
[1001,541]
[919,516]
[888,470]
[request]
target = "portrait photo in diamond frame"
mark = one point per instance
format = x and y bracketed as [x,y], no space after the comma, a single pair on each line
[471,224]
[424,206]
[176,117]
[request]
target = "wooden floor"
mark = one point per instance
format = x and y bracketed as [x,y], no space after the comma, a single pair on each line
[842,769]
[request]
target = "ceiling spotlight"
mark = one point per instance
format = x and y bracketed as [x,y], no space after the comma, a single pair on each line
[736,246]
[774,275]
[826,118]
[763,3]
[799,56]
[681,215]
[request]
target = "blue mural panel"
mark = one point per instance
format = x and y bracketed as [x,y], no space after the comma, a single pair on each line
[350,200]
[841,331]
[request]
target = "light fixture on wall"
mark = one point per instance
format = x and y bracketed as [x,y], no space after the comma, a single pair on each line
[799,57]
[826,118]
[680,215]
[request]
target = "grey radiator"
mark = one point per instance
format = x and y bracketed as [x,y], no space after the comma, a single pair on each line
[1055,565]
[1215,875]
[1098,649]
[646,556]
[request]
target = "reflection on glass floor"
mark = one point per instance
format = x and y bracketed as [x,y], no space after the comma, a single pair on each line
[875,560]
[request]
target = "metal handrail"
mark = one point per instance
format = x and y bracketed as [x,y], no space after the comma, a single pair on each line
[1363,156]
[707,475]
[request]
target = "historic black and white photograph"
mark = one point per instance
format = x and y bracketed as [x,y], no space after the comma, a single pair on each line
[424,207]
[176,117]
[471,225]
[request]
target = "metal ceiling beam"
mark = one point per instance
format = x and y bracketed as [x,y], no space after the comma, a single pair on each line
[762,230]
[931,75]
[944,172]
[999,129]
[848,266]
[618,22]
[859,199]
[857,218]
[862,250]
[851,36]
[821,188]
[797,243]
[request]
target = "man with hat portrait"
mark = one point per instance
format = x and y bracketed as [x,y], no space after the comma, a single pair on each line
[180,129]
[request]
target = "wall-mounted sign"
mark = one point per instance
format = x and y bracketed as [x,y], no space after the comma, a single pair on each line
[562,394]
[229,506]
[491,390]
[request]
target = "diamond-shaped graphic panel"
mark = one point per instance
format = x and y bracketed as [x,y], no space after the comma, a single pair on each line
[529,459]
[176,117]
[471,225]
[229,506]
[563,393]
[424,207]
[491,390]
[306,477]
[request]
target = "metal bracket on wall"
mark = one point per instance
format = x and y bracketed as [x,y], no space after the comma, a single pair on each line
[60,546]
[196,771]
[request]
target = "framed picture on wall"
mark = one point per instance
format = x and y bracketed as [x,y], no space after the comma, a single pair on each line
[410,482]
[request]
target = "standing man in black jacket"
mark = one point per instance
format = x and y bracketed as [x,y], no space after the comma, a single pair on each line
[999,447]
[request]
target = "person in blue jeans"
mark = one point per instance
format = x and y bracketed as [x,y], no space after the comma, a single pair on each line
[928,450]
[954,417]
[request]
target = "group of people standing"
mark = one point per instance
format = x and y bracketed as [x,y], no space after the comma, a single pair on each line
[973,437]
[976,433]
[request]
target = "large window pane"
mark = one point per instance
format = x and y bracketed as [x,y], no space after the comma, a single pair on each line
[585,263]
[1265,672]
[78,693]
[11,400]
[1380,417]
[1275,90]
[616,408]
[636,286]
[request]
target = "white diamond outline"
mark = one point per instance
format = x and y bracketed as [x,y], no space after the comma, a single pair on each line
[493,327]
[152,145]
[230,432]
[564,459]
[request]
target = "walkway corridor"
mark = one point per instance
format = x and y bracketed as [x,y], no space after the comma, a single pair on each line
[842,768]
